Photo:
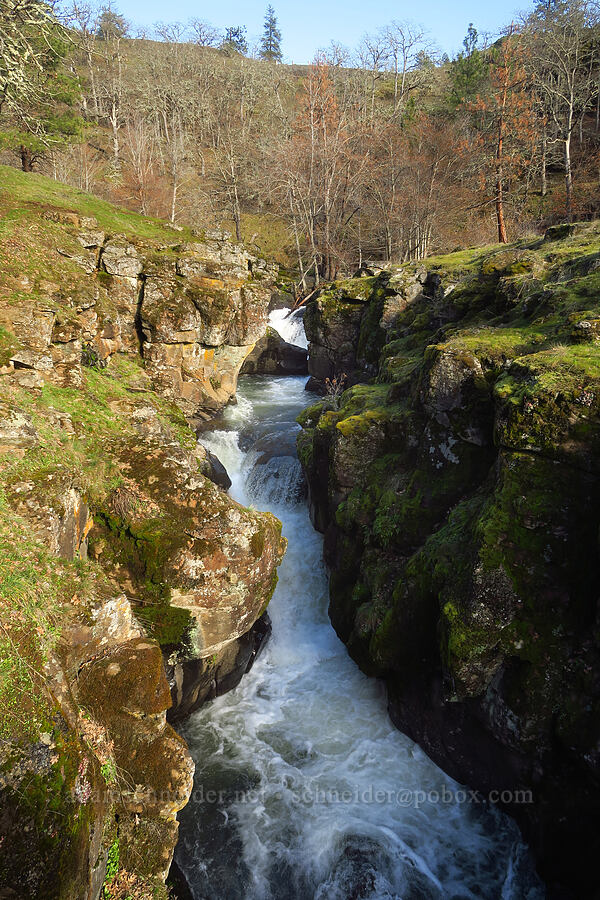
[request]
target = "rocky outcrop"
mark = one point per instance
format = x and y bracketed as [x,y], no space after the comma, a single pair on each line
[123,558]
[201,566]
[192,310]
[457,483]
[274,356]
[333,324]
[92,775]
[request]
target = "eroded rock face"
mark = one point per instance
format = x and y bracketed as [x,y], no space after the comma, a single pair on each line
[193,310]
[195,681]
[334,323]
[458,491]
[101,775]
[179,533]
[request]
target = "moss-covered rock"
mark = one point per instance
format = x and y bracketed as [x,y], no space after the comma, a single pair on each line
[458,489]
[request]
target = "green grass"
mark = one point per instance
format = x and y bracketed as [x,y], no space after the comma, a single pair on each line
[35,192]
[269,234]
[36,591]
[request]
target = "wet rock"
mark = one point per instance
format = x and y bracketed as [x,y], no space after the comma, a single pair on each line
[274,356]
[193,682]
[213,468]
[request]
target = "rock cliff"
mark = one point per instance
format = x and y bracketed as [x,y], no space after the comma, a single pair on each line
[457,483]
[122,560]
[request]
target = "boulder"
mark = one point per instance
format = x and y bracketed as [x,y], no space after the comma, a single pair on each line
[17,431]
[274,356]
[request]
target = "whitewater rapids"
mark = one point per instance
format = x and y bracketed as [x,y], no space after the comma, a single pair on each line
[304,790]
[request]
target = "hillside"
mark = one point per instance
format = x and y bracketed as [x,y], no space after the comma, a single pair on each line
[457,482]
[386,152]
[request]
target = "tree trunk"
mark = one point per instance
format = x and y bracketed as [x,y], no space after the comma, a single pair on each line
[237,217]
[544,183]
[568,178]
[298,250]
[174,199]
[115,134]
[502,239]
[26,158]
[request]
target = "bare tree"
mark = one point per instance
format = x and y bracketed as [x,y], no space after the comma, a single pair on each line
[204,34]
[171,32]
[84,18]
[564,61]
[373,54]
[406,45]
[110,80]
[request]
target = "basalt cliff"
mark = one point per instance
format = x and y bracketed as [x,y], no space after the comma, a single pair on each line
[456,478]
[131,584]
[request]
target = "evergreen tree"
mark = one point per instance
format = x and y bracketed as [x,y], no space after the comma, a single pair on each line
[235,40]
[45,115]
[111,24]
[270,44]
[469,69]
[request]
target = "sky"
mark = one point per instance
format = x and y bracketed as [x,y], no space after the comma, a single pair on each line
[308,25]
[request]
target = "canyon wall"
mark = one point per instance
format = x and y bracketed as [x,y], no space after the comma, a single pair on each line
[131,583]
[457,482]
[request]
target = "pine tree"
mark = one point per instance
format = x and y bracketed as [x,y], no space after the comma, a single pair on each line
[235,40]
[270,44]
[469,70]
[40,97]
[111,24]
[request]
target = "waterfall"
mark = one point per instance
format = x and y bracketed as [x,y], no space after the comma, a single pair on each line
[290,325]
[304,790]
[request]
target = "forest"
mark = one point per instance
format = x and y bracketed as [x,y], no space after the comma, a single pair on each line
[384,153]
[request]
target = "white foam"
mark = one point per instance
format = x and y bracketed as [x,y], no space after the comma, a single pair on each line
[290,325]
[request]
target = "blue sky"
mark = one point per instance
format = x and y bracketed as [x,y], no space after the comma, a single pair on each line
[307,25]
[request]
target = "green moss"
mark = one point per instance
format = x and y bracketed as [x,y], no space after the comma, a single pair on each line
[310,416]
[305,449]
[371,338]
[269,592]
[360,425]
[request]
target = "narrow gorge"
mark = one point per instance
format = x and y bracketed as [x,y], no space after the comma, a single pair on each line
[290,628]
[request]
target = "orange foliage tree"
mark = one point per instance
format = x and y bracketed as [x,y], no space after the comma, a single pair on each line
[506,126]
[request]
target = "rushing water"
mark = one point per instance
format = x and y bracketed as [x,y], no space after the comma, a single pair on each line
[304,790]
[290,325]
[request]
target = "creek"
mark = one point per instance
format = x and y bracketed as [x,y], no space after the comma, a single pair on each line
[304,790]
